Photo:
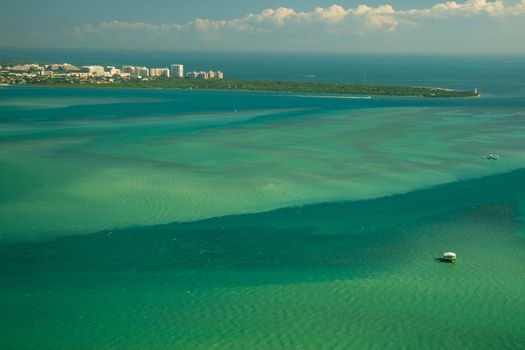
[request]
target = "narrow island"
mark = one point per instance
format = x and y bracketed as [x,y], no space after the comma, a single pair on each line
[271,86]
[67,75]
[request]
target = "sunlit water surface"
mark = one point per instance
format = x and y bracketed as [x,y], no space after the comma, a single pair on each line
[154,219]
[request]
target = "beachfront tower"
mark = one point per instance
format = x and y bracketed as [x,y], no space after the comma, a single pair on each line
[177,71]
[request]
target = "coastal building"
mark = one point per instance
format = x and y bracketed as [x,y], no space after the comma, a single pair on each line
[65,67]
[136,71]
[177,71]
[20,68]
[81,75]
[159,72]
[54,67]
[112,71]
[142,71]
[202,75]
[205,75]
[130,70]
[95,70]
[192,75]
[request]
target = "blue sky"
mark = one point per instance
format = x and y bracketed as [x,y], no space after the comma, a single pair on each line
[271,25]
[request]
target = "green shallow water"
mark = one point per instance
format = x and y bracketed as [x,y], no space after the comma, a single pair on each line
[215,220]
[333,276]
[109,161]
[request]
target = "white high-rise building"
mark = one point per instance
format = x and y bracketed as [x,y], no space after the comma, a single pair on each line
[159,72]
[192,75]
[142,71]
[177,71]
[130,70]
[95,70]
[202,75]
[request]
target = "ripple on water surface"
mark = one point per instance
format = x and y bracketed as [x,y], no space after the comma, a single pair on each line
[76,178]
[334,276]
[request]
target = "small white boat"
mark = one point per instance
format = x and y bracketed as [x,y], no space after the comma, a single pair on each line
[449,257]
[492,156]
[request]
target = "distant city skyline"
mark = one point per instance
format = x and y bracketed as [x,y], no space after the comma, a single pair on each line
[472,26]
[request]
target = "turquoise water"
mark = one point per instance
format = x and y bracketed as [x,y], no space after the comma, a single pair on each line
[154,219]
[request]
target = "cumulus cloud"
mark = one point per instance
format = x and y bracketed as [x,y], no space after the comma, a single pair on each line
[381,17]
[468,8]
[335,18]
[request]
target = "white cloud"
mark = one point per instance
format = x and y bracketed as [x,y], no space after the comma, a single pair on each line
[361,19]
[469,8]
[381,17]
[332,14]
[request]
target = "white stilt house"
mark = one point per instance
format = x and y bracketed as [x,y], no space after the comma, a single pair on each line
[449,257]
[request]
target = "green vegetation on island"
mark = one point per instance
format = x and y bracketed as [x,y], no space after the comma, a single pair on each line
[266,85]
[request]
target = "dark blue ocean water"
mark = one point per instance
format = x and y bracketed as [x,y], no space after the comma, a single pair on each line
[498,74]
